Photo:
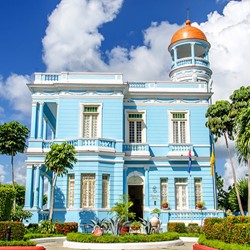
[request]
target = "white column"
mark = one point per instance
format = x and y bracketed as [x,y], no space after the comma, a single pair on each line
[41,191]
[44,129]
[29,186]
[33,120]
[37,187]
[192,53]
[146,186]
[40,121]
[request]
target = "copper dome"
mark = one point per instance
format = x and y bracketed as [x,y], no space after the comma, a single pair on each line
[188,32]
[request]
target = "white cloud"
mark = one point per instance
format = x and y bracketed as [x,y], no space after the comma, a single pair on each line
[2,174]
[20,169]
[72,39]
[14,90]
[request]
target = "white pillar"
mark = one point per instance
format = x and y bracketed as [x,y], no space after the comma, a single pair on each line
[33,120]
[37,187]
[40,121]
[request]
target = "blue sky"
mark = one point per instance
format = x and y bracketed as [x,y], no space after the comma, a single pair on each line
[129,36]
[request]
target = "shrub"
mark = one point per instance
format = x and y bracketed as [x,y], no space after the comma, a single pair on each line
[17,243]
[107,238]
[32,228]
[40,235]
[67,227]
[208,227]
[178,227]
[7,195]
[47,227]
[194,228]
[17,230]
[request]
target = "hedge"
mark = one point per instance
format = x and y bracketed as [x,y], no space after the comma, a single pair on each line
[66,227]
[7,195]
[108,238]
[178,227]
[17,230]
[17,243]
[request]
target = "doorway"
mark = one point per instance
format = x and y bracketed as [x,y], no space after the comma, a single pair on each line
[135,193]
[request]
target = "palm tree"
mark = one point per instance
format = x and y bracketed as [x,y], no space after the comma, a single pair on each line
[220,124]
[59,159]
[13,137]
[243,143]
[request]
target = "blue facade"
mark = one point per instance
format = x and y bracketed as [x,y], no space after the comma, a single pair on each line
[131,138]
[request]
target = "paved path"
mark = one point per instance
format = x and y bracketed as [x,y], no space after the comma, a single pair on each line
[56,245]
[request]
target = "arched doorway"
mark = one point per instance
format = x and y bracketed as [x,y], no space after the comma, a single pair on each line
[135,192]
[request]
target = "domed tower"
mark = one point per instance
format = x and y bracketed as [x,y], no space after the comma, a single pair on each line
[189,51]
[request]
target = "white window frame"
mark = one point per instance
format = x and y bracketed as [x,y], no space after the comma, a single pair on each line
[99,118]
[164,189]
[198,189]
[71,190]
[86,190]
[181,184]
[143,119]
[187,127]
[105,190]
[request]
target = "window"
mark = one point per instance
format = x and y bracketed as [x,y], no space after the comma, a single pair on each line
[164,189]
[105,191]
[198,189]
[135,127]
[179,127]
[90,121]
[181,194]
[71,189]
[88,191]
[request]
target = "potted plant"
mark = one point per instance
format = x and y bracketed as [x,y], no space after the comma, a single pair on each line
[154,221]
[164,204]
[123,213]
[135,225]
[200,204]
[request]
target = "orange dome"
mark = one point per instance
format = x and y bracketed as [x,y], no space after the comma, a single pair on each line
[188,32]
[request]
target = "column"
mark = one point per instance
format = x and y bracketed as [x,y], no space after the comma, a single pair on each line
[44,128]
[37,186]
[41,189]
[49,193]
[29,186]
[125,186]
[40,120]
[192,53]
[33,120]
[175,56]
[146,169]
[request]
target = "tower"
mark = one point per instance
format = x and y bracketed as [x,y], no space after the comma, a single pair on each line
[189,51]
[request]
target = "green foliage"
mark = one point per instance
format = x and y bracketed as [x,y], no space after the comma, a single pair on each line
[20,214]
[219,121]
[232,229]
[66,227]
[60,158]
[242,186]
[122,208]
[47,227]
[29,236]
[178,227]
[7,195]
[13,137]
[17,230]
[17,243]
[221,245]
[107,238]
[194,228]
[222,195]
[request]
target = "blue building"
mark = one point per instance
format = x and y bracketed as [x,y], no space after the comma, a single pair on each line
[131,138]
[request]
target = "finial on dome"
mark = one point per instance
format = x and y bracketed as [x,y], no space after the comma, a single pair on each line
[188,22]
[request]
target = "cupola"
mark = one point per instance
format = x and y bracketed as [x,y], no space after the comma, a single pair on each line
[189,51]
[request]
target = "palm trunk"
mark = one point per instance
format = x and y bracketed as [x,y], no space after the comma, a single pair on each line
[234,177]
[51,209]
[13,181]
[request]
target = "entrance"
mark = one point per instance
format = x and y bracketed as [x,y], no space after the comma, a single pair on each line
[135,193]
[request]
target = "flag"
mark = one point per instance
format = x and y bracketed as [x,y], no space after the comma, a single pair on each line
[212,161]
[189,161]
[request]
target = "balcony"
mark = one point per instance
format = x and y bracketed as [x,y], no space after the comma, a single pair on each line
[82,144]
[134,149]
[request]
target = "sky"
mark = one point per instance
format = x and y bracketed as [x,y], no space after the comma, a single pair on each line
[128,36]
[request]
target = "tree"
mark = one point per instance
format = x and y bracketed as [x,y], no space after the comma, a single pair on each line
[243,190]
[241,114]
[59,159]
[221,124]
[221,193]
[13,137]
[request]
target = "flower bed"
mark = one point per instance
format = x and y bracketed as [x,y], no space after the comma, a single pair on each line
[23,248]
[201,247]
